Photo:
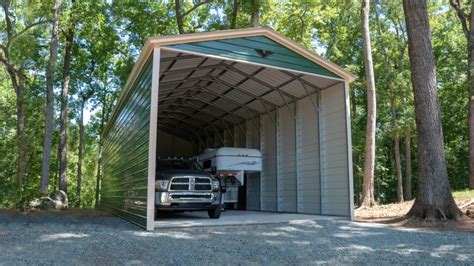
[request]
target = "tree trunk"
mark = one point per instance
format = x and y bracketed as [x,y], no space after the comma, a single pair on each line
[399,168]
[408,186]
[179,16]
[20,129]
[64,112]
[49,111]
[80,155]
[255,18]
[235,9]
[369,163]
[433,197]
[470,77]
[99,162]
[398,165]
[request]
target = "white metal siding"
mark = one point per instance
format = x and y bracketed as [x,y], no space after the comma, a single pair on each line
[268,178]
[286,158]
[308,157]
[252,139]
[334,150]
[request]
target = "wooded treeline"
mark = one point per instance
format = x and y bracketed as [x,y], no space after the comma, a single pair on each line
[97,43]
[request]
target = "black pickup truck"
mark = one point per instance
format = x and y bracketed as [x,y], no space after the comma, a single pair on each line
[182,185]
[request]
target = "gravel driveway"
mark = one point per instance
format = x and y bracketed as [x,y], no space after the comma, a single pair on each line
[64,239]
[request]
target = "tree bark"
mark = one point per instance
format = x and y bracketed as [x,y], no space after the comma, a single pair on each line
[369,163]
[179,16]
[433,197]
[396,142]
[467,22]
[99,162]
[235,10]
[20,129]
[255,18]
[408,181]
[399,168]
[49,111]
[64,111]
[470,77]
[80,154]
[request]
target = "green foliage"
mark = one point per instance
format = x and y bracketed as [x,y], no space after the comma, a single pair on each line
[110,34]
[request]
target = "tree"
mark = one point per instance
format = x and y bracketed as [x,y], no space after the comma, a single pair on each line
[235,10]
[70,29]
[396,146]
[434,198]
[180,15]
[369,164]
[17,75]
[84,98]
[467,23]
[49,110]
[408,177]
[255,16]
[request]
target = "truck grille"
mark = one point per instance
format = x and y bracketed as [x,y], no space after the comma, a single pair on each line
[191,184]
[191,196]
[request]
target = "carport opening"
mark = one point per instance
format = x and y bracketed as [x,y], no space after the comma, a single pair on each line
[208,103]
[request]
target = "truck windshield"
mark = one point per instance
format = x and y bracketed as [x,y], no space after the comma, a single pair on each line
[163,164]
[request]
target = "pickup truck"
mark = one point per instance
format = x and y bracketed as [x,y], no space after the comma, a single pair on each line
[182,185]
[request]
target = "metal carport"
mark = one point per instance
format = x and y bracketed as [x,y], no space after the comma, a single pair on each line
[243,88]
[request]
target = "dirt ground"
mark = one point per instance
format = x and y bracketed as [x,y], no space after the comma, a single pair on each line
[394,215]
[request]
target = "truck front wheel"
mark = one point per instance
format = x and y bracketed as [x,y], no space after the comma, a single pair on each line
[215,213]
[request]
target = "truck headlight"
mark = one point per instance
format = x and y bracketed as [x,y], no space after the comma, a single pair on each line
[161,184]
[216,185]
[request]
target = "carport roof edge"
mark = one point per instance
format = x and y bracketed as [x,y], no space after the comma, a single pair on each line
[167,41]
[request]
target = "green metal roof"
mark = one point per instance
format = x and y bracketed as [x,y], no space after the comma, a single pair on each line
[257,49]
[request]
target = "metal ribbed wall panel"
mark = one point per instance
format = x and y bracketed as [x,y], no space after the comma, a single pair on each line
[286,174]
[126,146]
[239,134]
[308,158]
[268,179]
[334,150]
[253,179]
[169,145]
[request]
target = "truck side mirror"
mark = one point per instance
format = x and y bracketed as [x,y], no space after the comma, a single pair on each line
[213,170]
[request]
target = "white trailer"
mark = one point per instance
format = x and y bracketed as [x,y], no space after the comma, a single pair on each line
[230,165]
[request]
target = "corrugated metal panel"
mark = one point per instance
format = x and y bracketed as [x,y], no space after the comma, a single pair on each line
[125,177]
[272,77]
[268,148]
[170,145]
[308,158]
[245,49]
[335,168]
[239,140]
[286,140]
[228,138]
[253,179]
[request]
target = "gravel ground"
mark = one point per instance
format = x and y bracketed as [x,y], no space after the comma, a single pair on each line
[65,239]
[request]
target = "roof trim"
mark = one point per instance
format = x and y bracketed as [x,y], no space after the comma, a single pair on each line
[250,32]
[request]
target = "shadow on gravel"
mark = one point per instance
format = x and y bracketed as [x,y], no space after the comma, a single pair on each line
[53,238]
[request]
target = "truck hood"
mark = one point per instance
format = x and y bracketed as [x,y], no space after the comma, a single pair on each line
[168,174]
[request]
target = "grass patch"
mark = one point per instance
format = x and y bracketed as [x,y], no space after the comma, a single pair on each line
[463,194]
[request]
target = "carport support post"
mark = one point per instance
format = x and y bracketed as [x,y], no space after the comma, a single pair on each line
[349,149]
[155,82]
